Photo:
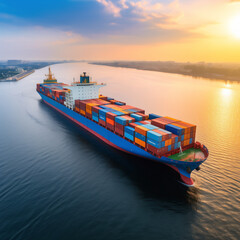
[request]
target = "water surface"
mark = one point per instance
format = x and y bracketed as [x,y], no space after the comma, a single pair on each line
[58,182]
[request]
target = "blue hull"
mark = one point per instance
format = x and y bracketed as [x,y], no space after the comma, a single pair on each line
[122,144]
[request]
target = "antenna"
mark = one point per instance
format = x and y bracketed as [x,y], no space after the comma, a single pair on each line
[180,149]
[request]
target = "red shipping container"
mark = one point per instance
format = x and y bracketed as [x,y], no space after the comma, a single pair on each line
[95,109]
[145,117]
[130,119]
[154,149]
[119,126]
[173,138]
[162,122]
[101,122]
[139,110]
[110,126]
[133,125]
[111,115]
[124,107]
[165,136]
[88,115]
[119,131]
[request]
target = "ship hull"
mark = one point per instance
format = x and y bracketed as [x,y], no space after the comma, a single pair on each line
[183,168]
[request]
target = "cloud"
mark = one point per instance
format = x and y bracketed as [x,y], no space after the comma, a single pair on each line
[111,7]
[123,4]
[105,21]
[165,16]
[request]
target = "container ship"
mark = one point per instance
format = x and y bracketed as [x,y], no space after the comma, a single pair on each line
[127,128]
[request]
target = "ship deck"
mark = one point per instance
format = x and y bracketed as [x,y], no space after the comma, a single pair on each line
[189,155]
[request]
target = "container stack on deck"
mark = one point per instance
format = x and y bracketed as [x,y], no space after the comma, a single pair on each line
[55,91]
[160,136]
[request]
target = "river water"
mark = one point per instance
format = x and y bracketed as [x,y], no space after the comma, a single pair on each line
[58,182]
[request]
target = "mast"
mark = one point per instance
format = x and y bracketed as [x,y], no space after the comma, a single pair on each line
[50,77]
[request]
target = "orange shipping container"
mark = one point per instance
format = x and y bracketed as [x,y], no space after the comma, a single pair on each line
[82,112]
[186,142]
[168,142]
[140,142]
[176,120]
[189,127]
[89,107]
[186,130]
[142,130]
[110,121]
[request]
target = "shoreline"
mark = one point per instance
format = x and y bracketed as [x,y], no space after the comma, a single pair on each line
[18,77]
[213,76]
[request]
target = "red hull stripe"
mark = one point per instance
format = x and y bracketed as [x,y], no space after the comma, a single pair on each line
[188,181]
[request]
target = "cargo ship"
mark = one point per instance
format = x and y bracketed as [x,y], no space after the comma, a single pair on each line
[163,139]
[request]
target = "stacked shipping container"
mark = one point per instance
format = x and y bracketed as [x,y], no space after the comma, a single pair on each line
[158,135]
[55,91]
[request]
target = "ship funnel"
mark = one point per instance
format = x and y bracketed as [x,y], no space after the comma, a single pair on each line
[84,78]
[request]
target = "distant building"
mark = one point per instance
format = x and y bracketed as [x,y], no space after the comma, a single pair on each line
[14,62]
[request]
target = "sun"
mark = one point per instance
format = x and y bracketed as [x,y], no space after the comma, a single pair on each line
[234,26]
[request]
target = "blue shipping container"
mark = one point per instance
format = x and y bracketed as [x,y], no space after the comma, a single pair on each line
[153,116]
[129,130]
[102,112]
[182,138]
[154,136]
[102,118]
[95,118]
[137,117]
[119,103]
[129,136]
[140,136]
[95,114]
[174,129]
[150,126]
[154,143]
[118,113]
[169,148]
[131,110]
[175,139]
[121,120]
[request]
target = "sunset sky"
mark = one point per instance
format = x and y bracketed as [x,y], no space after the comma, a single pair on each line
[179,30]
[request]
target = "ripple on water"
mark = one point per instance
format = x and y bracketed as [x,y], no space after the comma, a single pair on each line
[57,182]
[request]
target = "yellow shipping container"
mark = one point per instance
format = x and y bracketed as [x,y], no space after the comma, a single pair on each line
[140,142]
[89,107]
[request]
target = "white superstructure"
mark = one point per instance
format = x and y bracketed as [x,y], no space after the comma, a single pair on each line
[85,89]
